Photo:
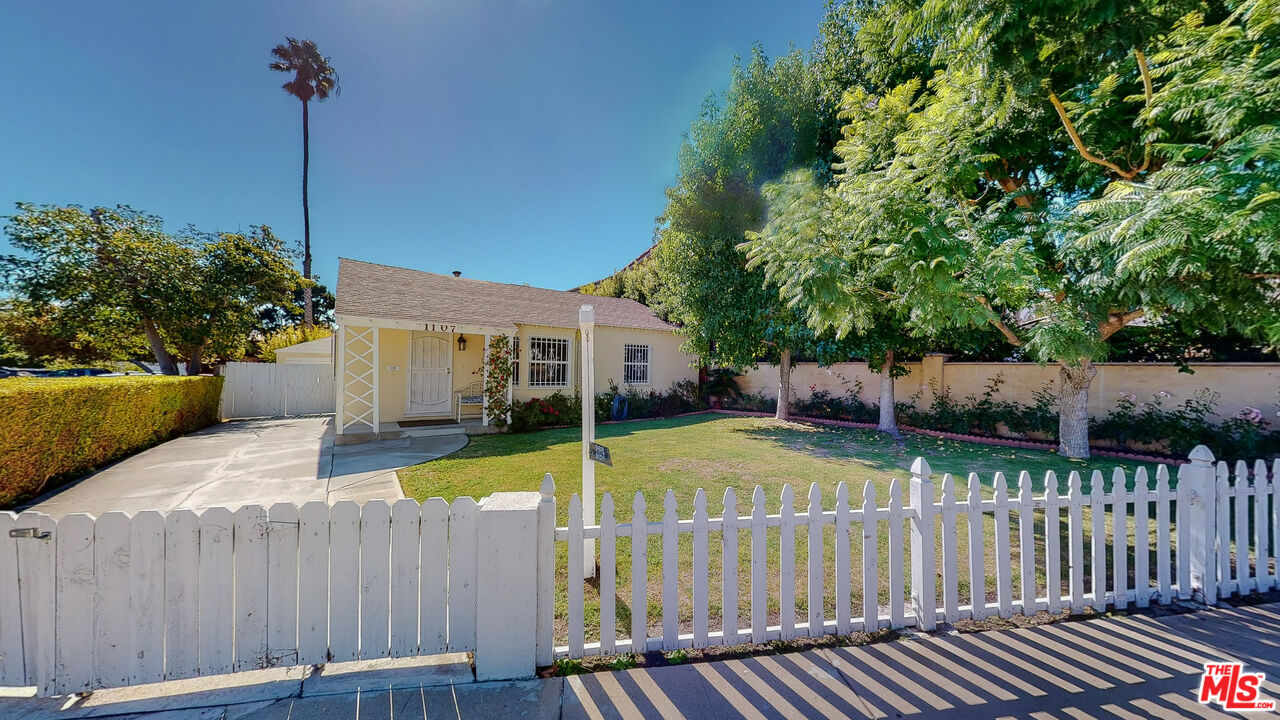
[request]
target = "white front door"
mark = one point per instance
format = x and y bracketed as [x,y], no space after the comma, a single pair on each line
[430,375]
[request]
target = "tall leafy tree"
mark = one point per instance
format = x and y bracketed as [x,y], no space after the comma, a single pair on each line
[766,122]
[105,277]
[1068,170]
[313,79]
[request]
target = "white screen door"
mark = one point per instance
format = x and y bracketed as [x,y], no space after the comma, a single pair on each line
[429,375]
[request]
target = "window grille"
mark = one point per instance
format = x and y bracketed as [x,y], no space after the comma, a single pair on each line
[635,364]
[548,362]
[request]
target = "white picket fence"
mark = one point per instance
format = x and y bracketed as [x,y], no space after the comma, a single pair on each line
[1059,552]
[276,389]
[118,600]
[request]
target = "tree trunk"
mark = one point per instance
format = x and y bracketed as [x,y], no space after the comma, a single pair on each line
[163,358]
[888,413]
[309,318]
[1073,409]
[193,360]
[784,387]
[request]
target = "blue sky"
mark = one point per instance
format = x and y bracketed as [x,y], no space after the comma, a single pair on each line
[518,141]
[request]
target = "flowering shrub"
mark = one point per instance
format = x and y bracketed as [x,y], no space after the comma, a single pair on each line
[1177,429]
[497,379]
[554,410]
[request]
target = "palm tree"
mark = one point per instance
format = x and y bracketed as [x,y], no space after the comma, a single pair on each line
[313,77]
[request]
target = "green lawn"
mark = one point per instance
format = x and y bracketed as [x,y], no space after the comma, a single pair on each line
[713,452]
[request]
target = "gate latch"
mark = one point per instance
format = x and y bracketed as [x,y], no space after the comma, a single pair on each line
[32,533]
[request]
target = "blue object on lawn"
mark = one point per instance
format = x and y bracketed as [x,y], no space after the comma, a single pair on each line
[619,408]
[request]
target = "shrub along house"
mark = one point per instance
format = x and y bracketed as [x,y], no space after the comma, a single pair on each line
[410,348]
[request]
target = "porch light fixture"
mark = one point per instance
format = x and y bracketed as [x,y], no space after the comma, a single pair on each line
[462,343]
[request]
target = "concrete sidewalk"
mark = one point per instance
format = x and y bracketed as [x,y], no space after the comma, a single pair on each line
[1126,667]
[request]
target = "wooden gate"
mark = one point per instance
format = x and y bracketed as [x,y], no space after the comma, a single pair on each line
[119,600]
[276,390]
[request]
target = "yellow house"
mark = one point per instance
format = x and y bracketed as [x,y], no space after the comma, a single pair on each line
[410,348]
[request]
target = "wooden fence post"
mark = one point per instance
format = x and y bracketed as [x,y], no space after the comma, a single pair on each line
[1198,479]
[507,586]
[924,579]
[546,572]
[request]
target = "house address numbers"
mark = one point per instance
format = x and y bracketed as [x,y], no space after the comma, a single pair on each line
[440,327]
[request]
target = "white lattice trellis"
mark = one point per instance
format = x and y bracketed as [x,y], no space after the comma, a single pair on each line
[359,388]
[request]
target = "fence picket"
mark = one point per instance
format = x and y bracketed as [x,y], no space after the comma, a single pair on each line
[182,595]
[249,540]
[870,560]
[1141,539]
[608,576]
[1239,491]
[1097,543]
[950,552]
[13,671]
[217,604]
[1075,540]
[111,604]
[464,521]
[897,572]
[1163,555]
[73,654]
[406,520]
[1026,544]
[433,578]
[787,564]
[924,572]
[729,567]
[1275,521]
[1052,543]
[313,583]
[344,595]
[146,598]
[1261,531]
[1120,538]
[282,584]
[670,570]
[759,606]
[1004,553]
[1224,530]
[575,568]
[844,608]
[639,576]
[817,626]
[700,570]
[375,587]
[977,550]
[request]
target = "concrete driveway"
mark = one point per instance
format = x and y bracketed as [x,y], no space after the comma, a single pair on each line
[245,462]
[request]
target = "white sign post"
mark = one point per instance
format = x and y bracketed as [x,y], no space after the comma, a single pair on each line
[587,322]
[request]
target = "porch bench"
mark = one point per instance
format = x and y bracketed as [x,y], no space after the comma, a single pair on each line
[472,394]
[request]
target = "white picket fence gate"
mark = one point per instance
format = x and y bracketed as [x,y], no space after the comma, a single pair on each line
[118,600]
[1098,532]
[276,389]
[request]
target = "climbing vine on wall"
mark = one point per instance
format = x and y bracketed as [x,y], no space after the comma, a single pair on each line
[498,379]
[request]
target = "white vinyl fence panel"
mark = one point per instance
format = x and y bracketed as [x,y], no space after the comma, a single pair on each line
[119,600]
[276,389]
[1084,543]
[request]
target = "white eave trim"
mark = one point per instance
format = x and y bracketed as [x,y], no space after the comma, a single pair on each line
[392,324]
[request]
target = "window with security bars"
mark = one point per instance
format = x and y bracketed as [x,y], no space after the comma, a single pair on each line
[548,362]
[635,364]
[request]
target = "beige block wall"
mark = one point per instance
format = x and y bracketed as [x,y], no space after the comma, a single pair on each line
[1239,385]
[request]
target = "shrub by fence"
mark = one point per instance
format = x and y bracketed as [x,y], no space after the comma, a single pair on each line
[53,429]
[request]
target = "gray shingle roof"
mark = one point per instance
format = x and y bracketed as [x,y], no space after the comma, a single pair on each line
[382,291]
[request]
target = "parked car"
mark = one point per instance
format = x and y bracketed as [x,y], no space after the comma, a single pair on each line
[80,372]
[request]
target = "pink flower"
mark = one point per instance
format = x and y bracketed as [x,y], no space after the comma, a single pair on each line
[1251,414]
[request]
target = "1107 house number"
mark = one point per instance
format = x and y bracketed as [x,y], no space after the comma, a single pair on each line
[436,327]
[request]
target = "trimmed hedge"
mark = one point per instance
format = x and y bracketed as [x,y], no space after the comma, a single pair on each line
[56,429]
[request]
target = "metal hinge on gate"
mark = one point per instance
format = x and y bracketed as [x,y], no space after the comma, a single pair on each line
[32,533]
